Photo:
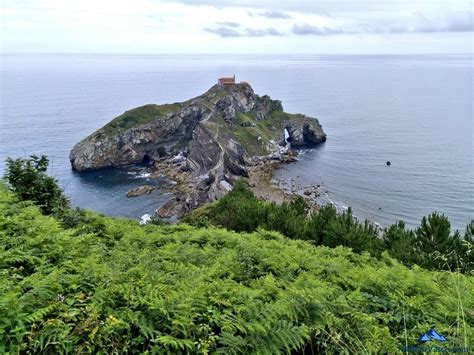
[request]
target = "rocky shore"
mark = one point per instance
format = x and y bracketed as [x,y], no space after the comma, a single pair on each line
[187,193]
[203,145]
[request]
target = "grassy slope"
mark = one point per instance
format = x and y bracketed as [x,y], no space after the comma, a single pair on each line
[138,116]
[268,129]
[112,284]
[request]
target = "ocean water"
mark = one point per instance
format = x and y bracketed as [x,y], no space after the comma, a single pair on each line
[415,111]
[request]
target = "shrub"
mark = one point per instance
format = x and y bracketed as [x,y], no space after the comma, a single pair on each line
[318,224]
[345,230]
[436,246]
[238,210]
[400,243]
[29,180]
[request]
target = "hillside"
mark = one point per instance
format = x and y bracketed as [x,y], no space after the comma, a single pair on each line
[112,285]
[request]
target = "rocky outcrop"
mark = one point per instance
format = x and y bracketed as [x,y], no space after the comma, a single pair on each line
[206,143]
[113,146]
[305,133]
[141,190]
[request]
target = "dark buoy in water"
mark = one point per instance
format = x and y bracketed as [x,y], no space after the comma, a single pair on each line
[388,163]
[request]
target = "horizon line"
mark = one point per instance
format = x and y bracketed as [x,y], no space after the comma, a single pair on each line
[229,53]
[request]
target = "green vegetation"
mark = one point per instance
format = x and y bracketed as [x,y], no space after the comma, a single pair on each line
[138,116]
[28,178]
[268,129]
[432,245]
[107,285]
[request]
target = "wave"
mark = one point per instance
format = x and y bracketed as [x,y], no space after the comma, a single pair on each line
[145,218]
[142,175]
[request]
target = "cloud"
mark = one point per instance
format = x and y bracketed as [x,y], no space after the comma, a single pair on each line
[338,6]
[175,26]
[228,32]
[224,32]
[262,32]
[271,14]
[453,22]
[414,23]
[306,29]
[228,24]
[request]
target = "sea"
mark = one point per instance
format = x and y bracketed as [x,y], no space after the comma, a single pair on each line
[415,111]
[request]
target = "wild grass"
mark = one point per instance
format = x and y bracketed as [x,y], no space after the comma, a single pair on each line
[138,116]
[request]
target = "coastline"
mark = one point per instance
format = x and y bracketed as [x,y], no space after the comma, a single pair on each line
[266,185]
[260,177]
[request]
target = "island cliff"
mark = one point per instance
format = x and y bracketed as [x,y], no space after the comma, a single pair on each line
[205,143]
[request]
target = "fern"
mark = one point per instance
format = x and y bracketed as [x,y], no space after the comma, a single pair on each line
[112,286]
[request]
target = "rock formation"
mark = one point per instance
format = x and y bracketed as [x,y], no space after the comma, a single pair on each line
[204,143]
[141,190]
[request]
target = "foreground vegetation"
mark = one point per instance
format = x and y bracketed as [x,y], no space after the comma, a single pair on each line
[432,245]
[76,281]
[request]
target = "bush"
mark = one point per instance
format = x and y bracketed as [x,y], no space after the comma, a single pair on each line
[287,218]
[238,210]
[400,243]
[436,246]
[29,180]
[345,230]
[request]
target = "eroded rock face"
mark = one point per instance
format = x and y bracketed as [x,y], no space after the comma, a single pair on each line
[305,134]
[266,106]
[205,143]
[162,137]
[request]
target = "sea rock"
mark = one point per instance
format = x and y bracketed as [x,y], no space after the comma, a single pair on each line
[304,135]
[141,190]
[286,158]
[171,208]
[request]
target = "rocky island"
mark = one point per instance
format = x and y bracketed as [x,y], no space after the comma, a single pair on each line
[203,144]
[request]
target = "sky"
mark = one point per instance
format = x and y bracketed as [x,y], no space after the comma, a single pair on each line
[237,26]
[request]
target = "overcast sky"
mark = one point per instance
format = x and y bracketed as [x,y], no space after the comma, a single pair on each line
[237,26]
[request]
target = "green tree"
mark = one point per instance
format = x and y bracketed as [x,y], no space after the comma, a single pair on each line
[286,218]
[467,245]
[400,243]
[318,224]
[114,286]
[346,230]
[238,210]
[436,247]
[27,177]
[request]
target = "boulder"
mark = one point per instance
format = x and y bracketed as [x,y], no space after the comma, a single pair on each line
[141,190]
